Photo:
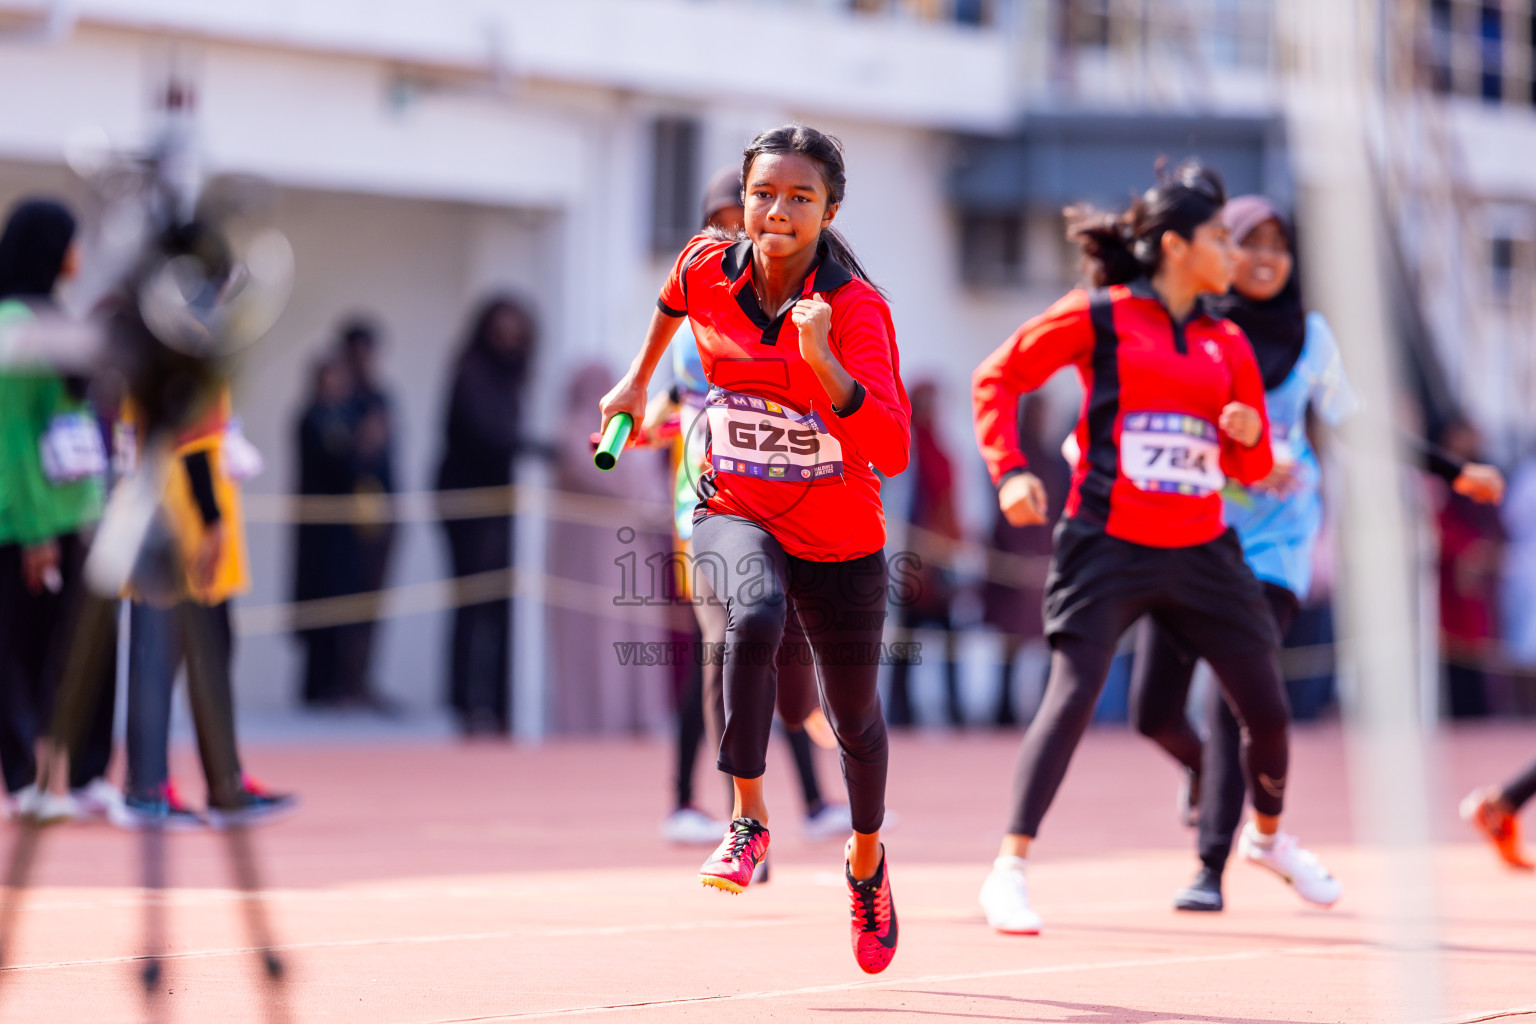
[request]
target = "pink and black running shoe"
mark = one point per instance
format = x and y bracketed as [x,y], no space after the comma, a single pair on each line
[730,867]
[874,919]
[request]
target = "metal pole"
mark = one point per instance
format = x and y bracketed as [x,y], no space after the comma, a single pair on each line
[1336,95]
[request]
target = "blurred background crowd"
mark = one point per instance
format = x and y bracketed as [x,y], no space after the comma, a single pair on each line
[483,199]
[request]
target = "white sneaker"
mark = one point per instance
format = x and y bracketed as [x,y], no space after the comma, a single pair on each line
[1005,899]
[833,821]
[689,827]
[99,800]
[1287,859]
[44,807]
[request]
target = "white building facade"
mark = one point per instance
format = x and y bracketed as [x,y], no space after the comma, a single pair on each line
[425,155]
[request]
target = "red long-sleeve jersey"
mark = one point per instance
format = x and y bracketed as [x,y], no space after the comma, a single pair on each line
[1153,460]
[824,518]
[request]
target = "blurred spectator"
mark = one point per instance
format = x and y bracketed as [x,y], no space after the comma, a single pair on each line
[1020,556]
[1518,597]
[933,537]
[624,528]
[346,446]
[52,463]
[1471,553]
[373,474]
[482,436]
[193,563]
[326,557]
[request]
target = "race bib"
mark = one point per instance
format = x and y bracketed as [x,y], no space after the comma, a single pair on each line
[1171,453]
[71,449]
[760,438]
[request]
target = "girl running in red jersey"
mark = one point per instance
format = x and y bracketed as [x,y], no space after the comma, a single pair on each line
[1173,406]
[790,522]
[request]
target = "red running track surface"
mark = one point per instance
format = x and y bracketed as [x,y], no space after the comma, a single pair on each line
[440,883]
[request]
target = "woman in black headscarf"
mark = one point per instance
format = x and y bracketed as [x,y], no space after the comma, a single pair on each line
[482,436]
[52,462]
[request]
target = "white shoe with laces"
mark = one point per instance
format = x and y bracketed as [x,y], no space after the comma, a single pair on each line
[1005,899]
[1284,856]
[99,800]
[831,821]
[687,826]
[45,807]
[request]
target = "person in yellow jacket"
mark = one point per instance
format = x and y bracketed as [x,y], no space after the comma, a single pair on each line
[200,517]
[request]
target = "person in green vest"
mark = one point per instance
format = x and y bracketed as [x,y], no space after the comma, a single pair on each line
[52,467]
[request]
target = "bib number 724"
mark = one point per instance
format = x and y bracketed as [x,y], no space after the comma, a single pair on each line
[1176,457]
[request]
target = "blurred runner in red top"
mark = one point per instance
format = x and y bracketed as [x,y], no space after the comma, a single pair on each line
[1174,405]
[791,522]
[1150,381]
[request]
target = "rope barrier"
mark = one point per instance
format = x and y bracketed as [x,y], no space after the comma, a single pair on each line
[441,595]
[374,509]
[963,557]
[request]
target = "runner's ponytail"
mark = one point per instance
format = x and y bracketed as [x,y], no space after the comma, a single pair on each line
[826,151]
[1117,249]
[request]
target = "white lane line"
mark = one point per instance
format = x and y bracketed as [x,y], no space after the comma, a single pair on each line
[927,979]
[574,932]
[425,940]
[1514,1011]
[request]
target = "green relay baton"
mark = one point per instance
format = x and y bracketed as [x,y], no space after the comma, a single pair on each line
[615,434]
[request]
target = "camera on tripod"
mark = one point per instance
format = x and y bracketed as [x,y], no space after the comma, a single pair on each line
[178,292]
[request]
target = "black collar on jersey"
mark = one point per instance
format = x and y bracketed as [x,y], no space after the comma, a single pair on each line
[826,275]
[1141,288]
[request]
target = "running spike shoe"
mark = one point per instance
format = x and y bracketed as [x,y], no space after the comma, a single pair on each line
[760,874]
[1189,799]
[1005,899]
[874,919]
[731,866]
[1202,895]
[1282,854]
[1482,810]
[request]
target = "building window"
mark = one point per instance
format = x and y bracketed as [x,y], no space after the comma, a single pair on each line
[1501,267]
[1239,31]
[1087,23]
[675,187]
[1219,32]
[1479,48]
[978,13]
[1490,24]
[1439,47]
[992,249]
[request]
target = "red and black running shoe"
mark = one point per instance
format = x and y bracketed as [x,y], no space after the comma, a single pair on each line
[730,867]
[874,919]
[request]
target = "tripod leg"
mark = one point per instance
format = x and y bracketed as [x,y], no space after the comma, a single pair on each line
[76,697]
[258,925]
[18,874]
[208,688]
[153,971]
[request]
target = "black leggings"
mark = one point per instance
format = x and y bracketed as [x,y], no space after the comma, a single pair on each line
[1207,598]
[701,709]
[1521,789]
[36,633]
[1159,693]
[841,608]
